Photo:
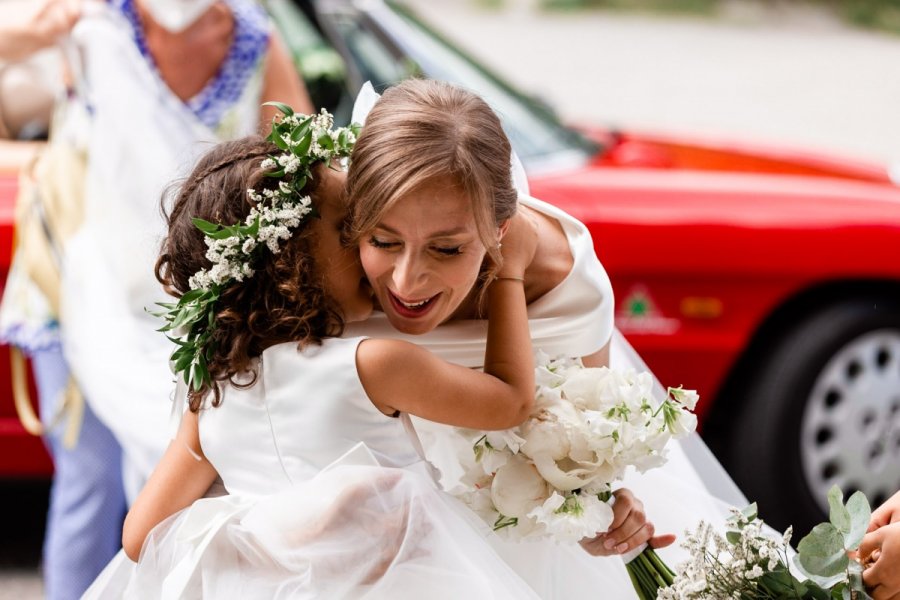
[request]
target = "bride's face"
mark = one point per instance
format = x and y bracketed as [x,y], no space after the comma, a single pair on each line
[339,265]
[423,258]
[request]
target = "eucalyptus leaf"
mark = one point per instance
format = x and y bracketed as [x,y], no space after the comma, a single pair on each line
[838,514]
[860,514]
[750,512]
[822,552]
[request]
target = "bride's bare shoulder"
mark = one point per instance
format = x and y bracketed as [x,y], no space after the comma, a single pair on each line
[553,260]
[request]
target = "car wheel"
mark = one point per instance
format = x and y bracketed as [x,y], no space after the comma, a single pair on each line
[822,409]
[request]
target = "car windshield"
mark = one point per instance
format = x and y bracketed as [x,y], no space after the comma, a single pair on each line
[389,43]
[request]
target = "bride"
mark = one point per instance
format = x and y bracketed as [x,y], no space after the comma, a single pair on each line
[428,259]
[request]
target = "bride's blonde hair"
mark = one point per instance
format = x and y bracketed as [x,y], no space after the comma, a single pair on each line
[421,130]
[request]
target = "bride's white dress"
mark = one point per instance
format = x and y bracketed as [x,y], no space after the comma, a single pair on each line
[576,319]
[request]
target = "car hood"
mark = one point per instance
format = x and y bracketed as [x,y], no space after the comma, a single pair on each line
[666,196]
[682,152]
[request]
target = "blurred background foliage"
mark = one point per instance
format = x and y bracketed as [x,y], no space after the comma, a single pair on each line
[883,15]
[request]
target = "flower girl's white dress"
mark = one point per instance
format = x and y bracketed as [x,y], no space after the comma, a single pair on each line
[309,512]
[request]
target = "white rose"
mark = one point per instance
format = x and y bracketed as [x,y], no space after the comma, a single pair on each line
[518,488]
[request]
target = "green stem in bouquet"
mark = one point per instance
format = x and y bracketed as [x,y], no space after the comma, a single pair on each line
[649,573]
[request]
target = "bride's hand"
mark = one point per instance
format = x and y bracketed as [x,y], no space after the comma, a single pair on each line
[630,528]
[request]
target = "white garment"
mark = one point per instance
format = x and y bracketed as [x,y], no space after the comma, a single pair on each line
[576,319]
[142,138]
[310,513]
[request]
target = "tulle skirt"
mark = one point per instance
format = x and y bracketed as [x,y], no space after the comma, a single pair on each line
[350,532]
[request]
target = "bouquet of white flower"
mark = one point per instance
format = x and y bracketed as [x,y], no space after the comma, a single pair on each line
[552,476]
[749,563]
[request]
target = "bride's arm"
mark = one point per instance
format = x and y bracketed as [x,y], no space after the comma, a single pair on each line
[182,476]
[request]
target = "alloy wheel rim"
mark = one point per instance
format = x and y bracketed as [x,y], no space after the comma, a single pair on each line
[850,429]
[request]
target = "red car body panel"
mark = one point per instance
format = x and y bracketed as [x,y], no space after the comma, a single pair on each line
[710,255]
[21,454]
[703,242]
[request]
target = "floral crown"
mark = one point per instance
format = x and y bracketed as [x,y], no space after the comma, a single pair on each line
[233,249]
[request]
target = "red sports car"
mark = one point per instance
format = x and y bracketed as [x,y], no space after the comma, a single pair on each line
[767,279]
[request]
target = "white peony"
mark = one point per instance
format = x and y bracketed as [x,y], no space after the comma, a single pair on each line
[545,435]
[518,488]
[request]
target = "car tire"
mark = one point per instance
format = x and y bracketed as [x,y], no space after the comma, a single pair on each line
[822,408]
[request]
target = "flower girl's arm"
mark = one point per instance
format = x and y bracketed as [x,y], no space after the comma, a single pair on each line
[182,476]
[402,376]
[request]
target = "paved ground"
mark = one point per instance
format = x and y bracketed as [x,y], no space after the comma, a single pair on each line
[788,76]
[794,76]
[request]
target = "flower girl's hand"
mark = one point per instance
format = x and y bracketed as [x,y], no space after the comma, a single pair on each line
[519,244]
[880,551]
[630,528]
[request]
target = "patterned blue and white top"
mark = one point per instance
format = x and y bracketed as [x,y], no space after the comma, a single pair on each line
[228,105]
[248,48]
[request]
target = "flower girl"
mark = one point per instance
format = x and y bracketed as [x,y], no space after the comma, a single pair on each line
[277,404]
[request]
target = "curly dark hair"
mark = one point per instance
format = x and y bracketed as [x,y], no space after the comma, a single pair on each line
[284,301]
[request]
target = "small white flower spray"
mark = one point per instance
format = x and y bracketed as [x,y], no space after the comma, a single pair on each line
[750,564]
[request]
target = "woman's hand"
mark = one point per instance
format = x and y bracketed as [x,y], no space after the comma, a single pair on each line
[630,528]
[880,552]
[31,26]
[518,244]
[887,513]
